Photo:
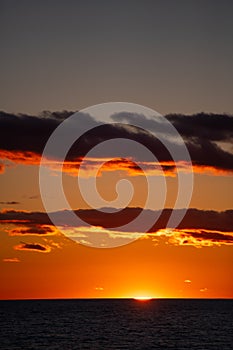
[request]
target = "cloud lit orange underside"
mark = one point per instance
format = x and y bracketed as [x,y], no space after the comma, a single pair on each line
[111,164]
[178,237]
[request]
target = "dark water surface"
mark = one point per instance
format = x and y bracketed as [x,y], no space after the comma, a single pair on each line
[116,324]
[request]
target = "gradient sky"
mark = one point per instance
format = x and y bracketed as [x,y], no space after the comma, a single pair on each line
[171,56]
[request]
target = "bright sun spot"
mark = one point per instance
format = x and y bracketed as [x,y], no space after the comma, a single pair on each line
[143,298]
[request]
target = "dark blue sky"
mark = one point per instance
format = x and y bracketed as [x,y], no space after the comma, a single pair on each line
[172,56]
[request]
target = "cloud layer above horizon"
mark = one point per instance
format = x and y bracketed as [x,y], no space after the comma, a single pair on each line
[208,138]
[198,227]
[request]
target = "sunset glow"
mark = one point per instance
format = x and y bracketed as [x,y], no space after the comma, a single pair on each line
[143,298]
[116,174]
[102,199]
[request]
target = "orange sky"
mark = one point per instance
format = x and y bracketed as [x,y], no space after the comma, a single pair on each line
[145,267]
[139,268]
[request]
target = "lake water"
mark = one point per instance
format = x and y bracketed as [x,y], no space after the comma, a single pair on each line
[108,324]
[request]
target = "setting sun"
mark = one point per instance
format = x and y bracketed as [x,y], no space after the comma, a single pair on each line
[143,298]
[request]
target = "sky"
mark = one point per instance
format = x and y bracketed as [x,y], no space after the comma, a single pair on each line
[172,56]
[59,57]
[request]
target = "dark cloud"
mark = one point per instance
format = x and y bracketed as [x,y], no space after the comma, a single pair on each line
[212,236]
[203,133]
[212,127]
[56,115]
[31,229]
[21,132]
[18,217]
[33,247]
[194,219]
[10,203]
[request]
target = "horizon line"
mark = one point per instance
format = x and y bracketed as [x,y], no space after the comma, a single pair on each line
[116,298]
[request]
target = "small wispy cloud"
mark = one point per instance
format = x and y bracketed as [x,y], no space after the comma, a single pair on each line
[33,247]
[10,203]
[99,289]
[11,260]
[30,229]
[187,281]
[34,197]
[203,290]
